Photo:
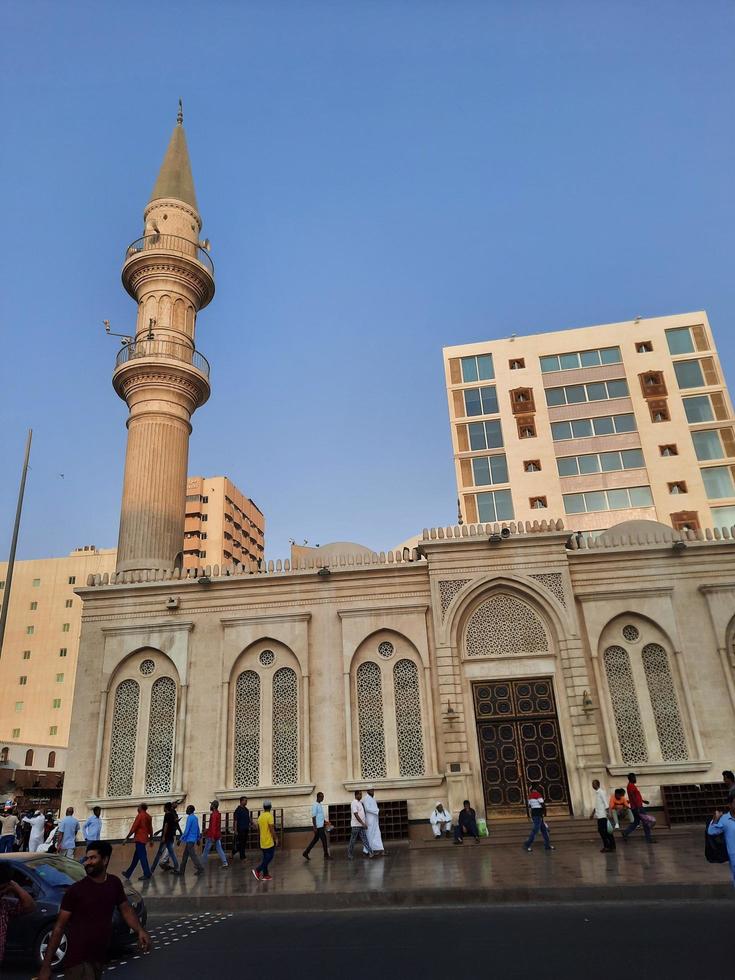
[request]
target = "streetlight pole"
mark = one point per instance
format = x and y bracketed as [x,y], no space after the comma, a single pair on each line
[14,542]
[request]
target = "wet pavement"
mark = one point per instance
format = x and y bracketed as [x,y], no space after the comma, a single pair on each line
[675,867]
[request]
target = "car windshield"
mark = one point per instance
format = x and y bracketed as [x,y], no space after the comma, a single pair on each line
[58,872]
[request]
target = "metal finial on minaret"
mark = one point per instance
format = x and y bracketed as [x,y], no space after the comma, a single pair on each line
[180,114]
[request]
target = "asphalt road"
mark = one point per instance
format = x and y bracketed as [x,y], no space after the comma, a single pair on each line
[673,939]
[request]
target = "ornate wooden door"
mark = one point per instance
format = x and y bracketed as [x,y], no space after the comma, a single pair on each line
[519,742]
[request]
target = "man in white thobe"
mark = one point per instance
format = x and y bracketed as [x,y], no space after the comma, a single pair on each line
[441,821]
[36,823]
[372,811]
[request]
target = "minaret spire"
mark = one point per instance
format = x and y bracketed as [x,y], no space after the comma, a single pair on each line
[175,180]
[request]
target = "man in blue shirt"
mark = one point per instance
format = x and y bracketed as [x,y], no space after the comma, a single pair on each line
[724,823]
[92,828]
[66,833]
[190,839]
[320,831]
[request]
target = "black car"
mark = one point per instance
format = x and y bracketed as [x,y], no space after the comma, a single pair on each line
[46,877]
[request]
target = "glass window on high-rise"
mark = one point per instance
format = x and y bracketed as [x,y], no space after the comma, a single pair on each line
[723,516]
[718,482]
[485,435]
[479,368]
[689,374]
[481,401]
[707,444]
[487,470]
[680,340]
[495,505]
[698,408]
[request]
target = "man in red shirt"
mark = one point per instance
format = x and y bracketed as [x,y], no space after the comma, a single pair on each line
[213,834]
[636,808]
[142,832]
[85,919]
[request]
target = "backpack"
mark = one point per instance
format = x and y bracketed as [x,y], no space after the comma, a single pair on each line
[715,850]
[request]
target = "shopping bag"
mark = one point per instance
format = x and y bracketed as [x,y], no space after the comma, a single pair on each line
[647,819]
[482,830]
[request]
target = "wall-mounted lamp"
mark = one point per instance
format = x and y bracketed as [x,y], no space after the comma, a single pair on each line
[450,714]
[587,702]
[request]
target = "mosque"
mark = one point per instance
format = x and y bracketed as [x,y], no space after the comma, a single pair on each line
[487,657]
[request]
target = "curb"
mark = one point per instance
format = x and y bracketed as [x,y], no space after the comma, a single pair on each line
[434,898]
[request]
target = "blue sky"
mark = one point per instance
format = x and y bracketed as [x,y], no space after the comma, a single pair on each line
[378,179]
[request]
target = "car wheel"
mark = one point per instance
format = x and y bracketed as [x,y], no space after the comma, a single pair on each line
[42,941]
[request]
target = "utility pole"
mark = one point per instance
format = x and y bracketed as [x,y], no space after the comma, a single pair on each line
[14,543]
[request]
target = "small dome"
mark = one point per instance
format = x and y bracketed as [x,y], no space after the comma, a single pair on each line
[634,528]
[342,548]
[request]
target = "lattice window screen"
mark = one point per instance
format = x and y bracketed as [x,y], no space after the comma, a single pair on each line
[409,730]
[285,727]
[247,729]
[161,732]
[624,699]
[370,721]
[504,624]
[665,704]
[123,739]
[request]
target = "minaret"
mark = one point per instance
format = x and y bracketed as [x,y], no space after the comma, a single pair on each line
[160,374]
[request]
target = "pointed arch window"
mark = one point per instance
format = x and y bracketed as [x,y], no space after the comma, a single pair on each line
[390,741]
[370,721]
[124,735]
[247,729]
[266,743]
[141,728]
[161,727]
[409,729]
[285,727]
[664,702]
[626,710]
[643,694]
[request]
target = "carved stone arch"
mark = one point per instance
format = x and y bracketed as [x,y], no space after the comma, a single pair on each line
[190,320]
[556,621]
[164,311]
[268,716]
[179,315]
[150,312]
[369,647]
[648,628]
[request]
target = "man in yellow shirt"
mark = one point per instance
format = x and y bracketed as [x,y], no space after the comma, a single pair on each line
[268,841]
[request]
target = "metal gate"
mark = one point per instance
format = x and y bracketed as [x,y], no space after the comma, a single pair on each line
[519,742]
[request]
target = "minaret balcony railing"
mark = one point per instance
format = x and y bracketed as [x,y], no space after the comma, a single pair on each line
[170,243]
[163,348]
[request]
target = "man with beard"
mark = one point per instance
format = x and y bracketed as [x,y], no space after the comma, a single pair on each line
[86,919]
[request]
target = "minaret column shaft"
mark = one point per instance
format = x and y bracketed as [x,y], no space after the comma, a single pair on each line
[154,492]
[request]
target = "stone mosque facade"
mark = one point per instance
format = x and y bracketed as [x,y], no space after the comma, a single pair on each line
[487,657]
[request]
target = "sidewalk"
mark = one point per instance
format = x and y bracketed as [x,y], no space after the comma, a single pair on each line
[675,868]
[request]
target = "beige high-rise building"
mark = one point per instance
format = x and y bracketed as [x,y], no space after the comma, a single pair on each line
[39,654]
[222,525]
[596,425]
